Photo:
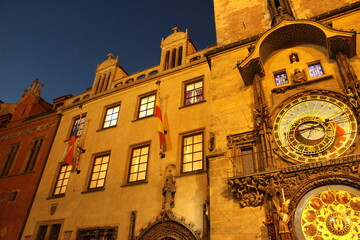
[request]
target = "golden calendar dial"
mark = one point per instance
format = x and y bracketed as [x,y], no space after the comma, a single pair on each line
[314,127]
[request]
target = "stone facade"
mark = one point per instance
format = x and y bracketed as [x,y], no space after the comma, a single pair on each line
[261,135]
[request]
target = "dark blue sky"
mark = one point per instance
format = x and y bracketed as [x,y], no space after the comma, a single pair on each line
[62,41]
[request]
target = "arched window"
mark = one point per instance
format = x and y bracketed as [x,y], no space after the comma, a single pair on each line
[173,58]
[180,50]
[167,60]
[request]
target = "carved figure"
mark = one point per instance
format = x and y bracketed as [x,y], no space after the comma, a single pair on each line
[269,223]
[351,98]
[284,218]
[169,190]
[299,76]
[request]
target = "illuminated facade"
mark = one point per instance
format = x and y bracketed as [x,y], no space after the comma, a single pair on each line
[261,135]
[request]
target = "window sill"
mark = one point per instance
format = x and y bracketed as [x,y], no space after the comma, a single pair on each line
[138,119]
[56,196]
[102,129]
[93,190]
[134,183]
[184,174]
[185,106]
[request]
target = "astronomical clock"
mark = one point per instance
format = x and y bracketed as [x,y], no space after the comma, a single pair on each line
[314,128]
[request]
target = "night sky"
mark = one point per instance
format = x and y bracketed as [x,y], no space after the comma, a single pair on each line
[61,41]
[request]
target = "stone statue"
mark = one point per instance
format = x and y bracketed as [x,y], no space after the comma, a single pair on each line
[299,76]
[351,98]
[169,190]
[284,218]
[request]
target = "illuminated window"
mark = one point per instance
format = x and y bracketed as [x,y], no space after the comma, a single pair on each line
[62,179]
[111,116]
[147,106]
[193,92]
[138,165]
[315,70]
[34,153]
[98,174]
[9,160]
[192,153]
[281,78]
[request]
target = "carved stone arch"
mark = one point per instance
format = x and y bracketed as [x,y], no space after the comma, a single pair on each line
[167,227]
[329,179]
[292,33]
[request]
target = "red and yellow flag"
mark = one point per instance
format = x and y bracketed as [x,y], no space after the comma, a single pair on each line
[160,125]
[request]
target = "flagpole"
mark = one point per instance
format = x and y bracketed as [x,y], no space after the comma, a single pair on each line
[160,126]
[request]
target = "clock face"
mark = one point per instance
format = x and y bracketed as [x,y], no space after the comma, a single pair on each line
[315,127]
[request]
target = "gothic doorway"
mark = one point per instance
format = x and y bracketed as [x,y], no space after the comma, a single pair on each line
[168,227]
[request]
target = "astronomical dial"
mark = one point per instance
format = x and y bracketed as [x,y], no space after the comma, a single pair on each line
[315,127]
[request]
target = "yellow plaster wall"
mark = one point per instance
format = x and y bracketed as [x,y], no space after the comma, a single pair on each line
[113,206]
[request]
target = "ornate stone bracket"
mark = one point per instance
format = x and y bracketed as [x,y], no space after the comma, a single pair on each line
[296,180]
[242,138]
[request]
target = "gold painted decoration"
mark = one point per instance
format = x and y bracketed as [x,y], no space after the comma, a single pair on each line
[332,215]
[314,127]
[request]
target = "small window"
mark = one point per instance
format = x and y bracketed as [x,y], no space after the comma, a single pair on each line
[99,170]
[194,92]
[34,153]
[13,196]
[192,153]
[147,106]
[50,231]
[315,70]
[138,164]
[111,116]
[62,180]
[153,73]
[9,160]
[247,158]
[281,78]
[79,124]
[141,77]
[97,233]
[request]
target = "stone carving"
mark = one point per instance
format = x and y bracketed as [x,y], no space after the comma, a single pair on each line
[269,223]
[299,76]
[294,58]
[284,219]
[169,225]
[251,191]
[34,89]
[351,98]
[169,191]
[240,139]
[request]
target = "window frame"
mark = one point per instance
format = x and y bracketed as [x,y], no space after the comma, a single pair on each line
[140,98]
[82,125]
[188,135]
[91,173]
[34,153]
[49,226]
[279,73]
[313,64]
[132,149]
[10,159]
[106,109]
[68,169]
[189,82]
